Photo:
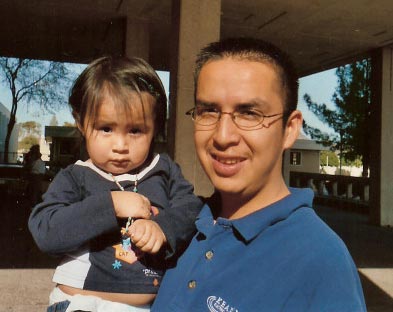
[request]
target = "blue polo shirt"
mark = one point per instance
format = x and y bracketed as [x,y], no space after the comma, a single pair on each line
[280,258]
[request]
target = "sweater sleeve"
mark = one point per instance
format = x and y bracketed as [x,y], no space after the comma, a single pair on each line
[178,220]
[66,219]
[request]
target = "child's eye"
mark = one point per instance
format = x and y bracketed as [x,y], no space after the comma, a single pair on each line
[106,129]
[135,130]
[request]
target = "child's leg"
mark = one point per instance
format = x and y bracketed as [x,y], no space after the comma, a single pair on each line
[61,302]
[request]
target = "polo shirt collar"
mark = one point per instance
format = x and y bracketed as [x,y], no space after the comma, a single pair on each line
[252,225]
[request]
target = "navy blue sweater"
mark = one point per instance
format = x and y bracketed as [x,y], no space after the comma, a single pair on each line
[76,220]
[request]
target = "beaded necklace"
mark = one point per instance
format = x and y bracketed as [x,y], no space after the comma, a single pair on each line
[125,238]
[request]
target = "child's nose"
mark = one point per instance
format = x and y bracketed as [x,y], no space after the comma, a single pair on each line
[120,144]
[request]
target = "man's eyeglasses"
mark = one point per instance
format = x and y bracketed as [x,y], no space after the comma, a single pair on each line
[245,119]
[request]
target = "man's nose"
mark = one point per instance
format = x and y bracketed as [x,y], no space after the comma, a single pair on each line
[226,132]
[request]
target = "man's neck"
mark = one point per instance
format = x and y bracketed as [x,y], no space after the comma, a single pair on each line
[235,206]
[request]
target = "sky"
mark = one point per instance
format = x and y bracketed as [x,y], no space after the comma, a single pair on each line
[320,87]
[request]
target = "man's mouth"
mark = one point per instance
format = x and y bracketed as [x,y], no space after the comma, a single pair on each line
[227,161]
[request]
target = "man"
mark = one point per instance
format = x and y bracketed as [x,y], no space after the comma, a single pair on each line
[260,246]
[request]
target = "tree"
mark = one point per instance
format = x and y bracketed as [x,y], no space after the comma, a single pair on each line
[28,128]
[53,121]
[32,81]
[29,134]
[27,142]
[350,118]
[328,158]
[69,124]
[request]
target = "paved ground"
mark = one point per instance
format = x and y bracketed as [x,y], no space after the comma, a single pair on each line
[25,273]
[372,250]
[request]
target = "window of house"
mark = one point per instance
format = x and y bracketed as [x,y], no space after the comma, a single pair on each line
[296,158]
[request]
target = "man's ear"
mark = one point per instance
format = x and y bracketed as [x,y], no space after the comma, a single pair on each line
[292,129]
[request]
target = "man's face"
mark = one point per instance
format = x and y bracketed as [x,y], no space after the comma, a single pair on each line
[241,162]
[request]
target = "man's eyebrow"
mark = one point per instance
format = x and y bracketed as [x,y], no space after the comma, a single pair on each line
[252,104]
[246,105]
[204,104]
[255,103]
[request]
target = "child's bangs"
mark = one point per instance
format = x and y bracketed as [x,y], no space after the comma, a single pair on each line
[127,100]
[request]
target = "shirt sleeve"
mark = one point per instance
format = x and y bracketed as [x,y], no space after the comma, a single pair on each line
[178,220]
[338,288]
[66,220]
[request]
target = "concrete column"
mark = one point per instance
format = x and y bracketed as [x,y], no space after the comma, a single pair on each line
[366,193]
[335,188]
[137,39]
[349,194]
[387,138]
[381,169]
[195,24]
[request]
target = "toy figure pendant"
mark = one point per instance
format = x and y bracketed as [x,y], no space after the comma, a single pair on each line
[126,242]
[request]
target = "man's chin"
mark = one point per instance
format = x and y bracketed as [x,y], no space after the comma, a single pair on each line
[226,187]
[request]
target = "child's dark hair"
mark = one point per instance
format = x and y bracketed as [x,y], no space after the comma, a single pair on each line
[259,51]
[118,76]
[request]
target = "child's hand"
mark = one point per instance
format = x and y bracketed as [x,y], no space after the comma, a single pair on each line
[130,204]
[147,235]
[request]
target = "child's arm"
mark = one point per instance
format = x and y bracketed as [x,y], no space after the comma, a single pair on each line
[130,204]
[178,220]
[70,216]
[147,235]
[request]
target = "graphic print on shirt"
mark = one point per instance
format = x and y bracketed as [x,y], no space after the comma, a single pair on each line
[125,253]
[124,250]
[218,304]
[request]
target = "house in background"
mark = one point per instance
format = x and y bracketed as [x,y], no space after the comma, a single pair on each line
[304,155]
[64,145]
[13,145]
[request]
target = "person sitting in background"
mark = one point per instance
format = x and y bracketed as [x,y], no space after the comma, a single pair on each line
[36,170]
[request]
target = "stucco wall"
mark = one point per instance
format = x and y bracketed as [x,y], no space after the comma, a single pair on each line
[309,162]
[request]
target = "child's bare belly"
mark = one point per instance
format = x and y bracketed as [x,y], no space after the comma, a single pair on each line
[131,299]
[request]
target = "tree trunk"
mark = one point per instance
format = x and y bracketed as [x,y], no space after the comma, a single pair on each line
[10,127]
[366,164]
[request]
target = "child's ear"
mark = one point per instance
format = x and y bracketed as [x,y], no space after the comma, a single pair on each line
[292,129]
[80,128]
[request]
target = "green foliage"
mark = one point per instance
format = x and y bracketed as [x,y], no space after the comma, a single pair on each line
[350,118]
[29,128]
[53,121]
[328,158]
[353,163]
[27,142]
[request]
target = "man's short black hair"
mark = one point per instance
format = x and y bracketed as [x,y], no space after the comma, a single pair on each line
[259,51]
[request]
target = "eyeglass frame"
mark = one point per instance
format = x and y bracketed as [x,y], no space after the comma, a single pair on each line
[191,112]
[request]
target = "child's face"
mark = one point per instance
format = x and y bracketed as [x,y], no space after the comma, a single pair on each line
[119,141]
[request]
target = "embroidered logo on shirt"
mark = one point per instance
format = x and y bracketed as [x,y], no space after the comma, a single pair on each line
[150,273]
[217,304]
